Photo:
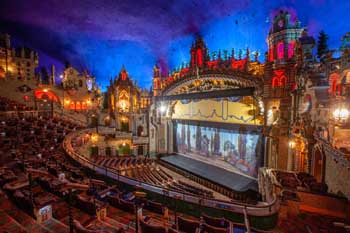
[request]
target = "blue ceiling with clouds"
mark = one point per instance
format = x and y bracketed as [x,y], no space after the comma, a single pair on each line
[102,35]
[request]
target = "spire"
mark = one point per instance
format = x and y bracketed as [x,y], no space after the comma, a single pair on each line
[123,73]
[256,55]
[248,54]
[219,55]
[156,71]
[199,52]
[240,54]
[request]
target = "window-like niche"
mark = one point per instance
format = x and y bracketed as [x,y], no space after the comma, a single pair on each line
[291,46]
[280,50]
[123,101]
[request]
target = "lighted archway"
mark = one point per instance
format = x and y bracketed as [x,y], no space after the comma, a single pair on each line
[291,46]
[280,50]
[275,82]
[46,94]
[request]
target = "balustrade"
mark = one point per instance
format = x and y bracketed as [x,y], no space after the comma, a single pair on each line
[266,209]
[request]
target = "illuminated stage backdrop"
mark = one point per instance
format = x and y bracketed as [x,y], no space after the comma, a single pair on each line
[238,150]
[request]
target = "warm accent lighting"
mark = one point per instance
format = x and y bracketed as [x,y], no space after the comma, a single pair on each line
[341,114]
[124,119]
[291,144]
[45,90]
[94,138]
[122,104]
[162,108]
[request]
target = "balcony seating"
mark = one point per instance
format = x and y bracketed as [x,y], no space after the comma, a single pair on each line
[172,230]
[10,105]
[87,205]
[210,229]
[148,228]
[186,225]
[304,180]
[23,201]
[81,229]
[154,207]
[119,203]
[216,222]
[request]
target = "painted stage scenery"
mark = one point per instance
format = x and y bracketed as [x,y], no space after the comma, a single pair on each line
[234,150]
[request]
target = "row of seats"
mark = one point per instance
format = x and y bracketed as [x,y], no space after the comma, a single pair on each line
[157,176]
[293,180]
[307,222]
[123,163]
[10,105]
[204,224]
[145,169]
[36,142]
[249,196]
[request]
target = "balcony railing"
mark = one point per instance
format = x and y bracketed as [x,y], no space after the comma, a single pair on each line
[263,209]
[335,153]
[139,140]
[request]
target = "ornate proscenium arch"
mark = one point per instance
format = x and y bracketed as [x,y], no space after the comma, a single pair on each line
[229,96]
[213,81]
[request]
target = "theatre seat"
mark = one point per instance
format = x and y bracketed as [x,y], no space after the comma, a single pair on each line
[216,222]
[154,207]
[81,229]
[186,225]
[148,228]
[211,229]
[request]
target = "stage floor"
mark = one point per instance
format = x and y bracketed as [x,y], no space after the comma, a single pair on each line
[216,174]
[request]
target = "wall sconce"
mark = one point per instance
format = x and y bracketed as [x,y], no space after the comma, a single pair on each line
[94,138]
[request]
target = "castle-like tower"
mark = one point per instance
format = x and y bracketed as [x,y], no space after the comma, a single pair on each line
[157,82]
[199,53]
[17,63]
[279,83]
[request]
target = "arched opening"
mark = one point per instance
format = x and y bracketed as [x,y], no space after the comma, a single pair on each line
[46,95]
[291,46]
[280,50]
[317,165]
[124,124]
[275,82]
[139,130]
[72,105]
[77,106]
[140,150]
[44,101]
[283,81]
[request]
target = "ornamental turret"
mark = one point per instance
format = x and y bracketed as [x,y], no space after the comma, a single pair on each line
[199,53]
[156,81]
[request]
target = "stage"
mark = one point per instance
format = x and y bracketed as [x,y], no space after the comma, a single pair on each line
[224,177]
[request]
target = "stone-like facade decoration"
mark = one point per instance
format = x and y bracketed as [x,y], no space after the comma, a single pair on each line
[323,110]
[17,63]
[205,73]
[128,108]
